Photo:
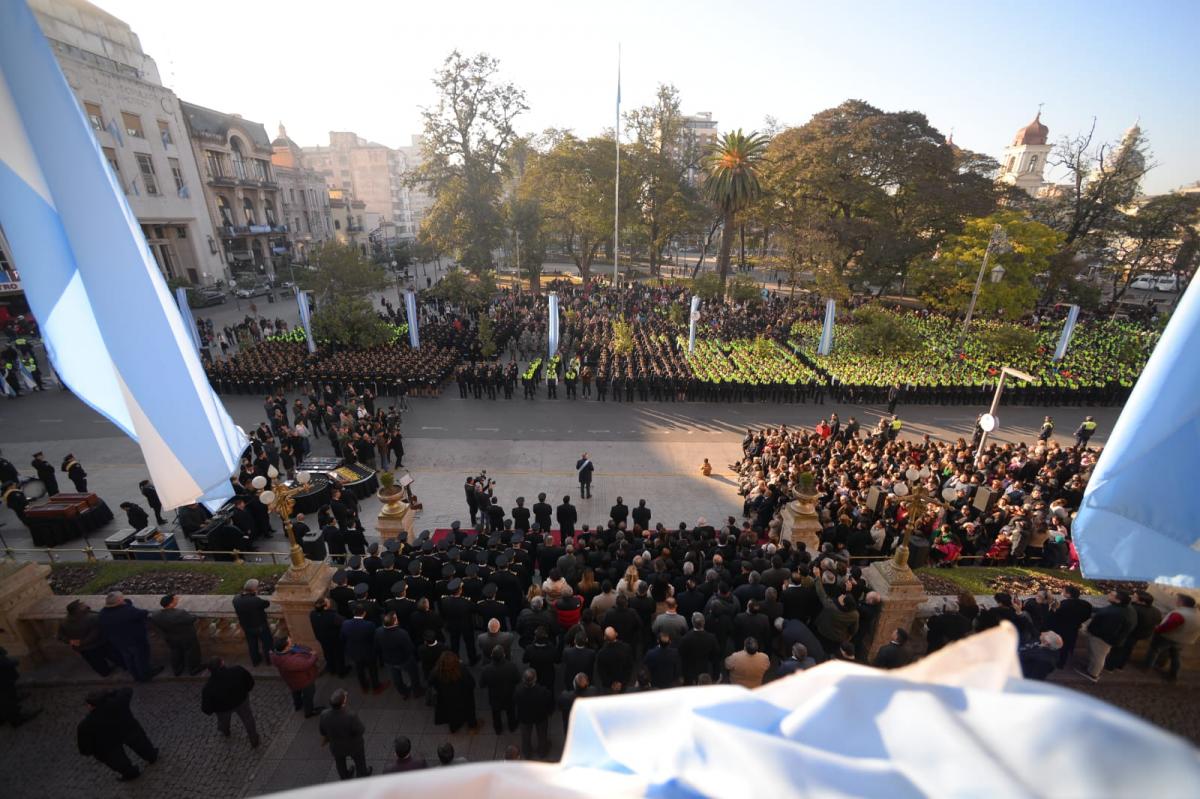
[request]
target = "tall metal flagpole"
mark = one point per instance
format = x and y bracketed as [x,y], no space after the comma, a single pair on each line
[617,182]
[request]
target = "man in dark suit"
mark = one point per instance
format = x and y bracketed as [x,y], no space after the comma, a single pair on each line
[1066,620]
[699,652]
[251,610]
[327,628]
[500,679]
[458,616]
[343,731]
[614,662]
[619,513]
[641,515]
[578,658]
[893,654]
[584,468]
[520,516]
[178,629]
[567,516]
[534,703]
[543,513]
[358,639]
[109,727]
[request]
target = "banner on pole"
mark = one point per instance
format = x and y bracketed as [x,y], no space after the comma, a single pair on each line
[186,312]
[693,318]
[826,345]
[1068,328]
[410,312]
[306,318]
[552,328]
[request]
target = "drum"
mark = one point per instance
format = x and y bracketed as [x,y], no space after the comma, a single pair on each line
[33,488]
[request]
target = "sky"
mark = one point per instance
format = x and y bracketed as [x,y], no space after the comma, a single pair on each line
[979,69]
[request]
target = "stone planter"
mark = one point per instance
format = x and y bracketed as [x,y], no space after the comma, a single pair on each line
[395,518]
[800,522]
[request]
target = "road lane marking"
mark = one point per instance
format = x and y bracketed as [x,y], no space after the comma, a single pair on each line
[49,421]
[433,428]
[489,429]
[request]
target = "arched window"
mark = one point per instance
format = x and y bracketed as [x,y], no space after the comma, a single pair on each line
[225,211]
[1032,163]
[269,210]
[248,209]
[239,161]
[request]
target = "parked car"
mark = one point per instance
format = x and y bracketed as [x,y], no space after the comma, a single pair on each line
[206,296]
[258,288]
[1143,283]
[1167,283]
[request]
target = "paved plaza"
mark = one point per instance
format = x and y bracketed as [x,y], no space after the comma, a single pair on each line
[641,450]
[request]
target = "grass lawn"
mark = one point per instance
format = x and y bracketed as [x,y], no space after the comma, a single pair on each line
[230,576]
[990,579]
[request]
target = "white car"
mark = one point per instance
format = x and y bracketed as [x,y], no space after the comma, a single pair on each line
[1167,283]
[1143,283]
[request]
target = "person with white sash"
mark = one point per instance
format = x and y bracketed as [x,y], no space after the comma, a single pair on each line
[585,468]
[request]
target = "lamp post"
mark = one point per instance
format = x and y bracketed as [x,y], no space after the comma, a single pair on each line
[997,245]
[396,275]
[915,498]
[280,498]
[988,422]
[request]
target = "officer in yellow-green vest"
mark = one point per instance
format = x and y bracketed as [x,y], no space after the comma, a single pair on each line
[894,428]
[1047,429]
[1083,433]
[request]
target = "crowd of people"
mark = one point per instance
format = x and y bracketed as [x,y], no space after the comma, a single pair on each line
[632,345]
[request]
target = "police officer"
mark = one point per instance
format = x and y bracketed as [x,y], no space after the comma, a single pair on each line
[1083,433]
[1047,429]
[45,473]
[75,473]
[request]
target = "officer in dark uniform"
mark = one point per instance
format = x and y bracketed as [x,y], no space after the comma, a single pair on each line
[75,473]
[384,578]
[342,595]
[1047,429]
[491,608]
[457,614]
[8,472]
[401,603]
[45,473]
[418,584]
[15,499]
[1084,432]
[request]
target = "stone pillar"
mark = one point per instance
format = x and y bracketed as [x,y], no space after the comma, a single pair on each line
[21,584]
[395,520]
[901,593]
[800,523]
[295,594]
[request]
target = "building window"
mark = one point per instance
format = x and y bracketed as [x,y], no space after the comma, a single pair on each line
[111,156]
[94,116]
[292,192]
[177,172]
[1032,163]
[146,165]
[225,211]
[337,224]
[181,233]
[164,131]
[133,125]
[248,211]
[269,210]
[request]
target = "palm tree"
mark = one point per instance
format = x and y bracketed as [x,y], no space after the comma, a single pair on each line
[732,183]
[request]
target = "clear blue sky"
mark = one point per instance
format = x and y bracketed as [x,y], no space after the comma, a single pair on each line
[979,68]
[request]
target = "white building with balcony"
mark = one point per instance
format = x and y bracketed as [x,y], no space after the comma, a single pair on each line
[139,126]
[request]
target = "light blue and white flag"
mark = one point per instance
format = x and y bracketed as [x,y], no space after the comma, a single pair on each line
[826,345]
[1136,521]
[410,313]
[25,376]
[552,327]
[115,131]
[185,311]
[1068,328]
[693,318]
[305,318]
[109,324]
[4,385]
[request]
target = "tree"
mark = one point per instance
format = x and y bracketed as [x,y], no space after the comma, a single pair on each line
[572,182]
[946,281]
[466,135]
[523,216]
[351,322]
[622,340]
[732,183]
[340,270]
[879,190]
[464,289]
[743,288]
[879,332]
[1153,238]
[487,336]
[663,154]
[708,287]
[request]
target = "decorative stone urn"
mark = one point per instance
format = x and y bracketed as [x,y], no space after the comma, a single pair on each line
[395,517]
[800,521]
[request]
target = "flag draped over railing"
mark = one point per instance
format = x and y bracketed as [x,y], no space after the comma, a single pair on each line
[552,328]
[693,318]
[306,318]
[1068,328]
[185,311]
[110,327]
[410,311]
[1136,521]
[826,345]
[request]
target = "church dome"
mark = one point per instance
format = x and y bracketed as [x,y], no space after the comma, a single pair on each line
[1033,133]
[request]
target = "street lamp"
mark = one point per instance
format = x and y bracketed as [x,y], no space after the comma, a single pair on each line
[915,498]
[280,498]
[988,422]
[997,245]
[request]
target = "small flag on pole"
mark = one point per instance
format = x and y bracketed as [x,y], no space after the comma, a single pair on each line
[186,312]
[552,328]
[110,326]
[693,318]
[826,345]
[305,318]
[1064,340]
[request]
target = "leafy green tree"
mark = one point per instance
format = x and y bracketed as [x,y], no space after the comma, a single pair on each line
[572,183]
[708,287]
[743,288]
[464,289]
[340,270]
[1150,238]
[731,183]
[947,281]
[622,340]
[1009,339]
[879,332]
[350,321]
[879,190]
[663,155]
[487,336]
[466,135]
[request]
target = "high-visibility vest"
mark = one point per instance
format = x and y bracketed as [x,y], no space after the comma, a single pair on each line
[897,424]
[1088,427]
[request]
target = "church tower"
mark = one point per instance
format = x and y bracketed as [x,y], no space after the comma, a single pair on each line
[1025,159]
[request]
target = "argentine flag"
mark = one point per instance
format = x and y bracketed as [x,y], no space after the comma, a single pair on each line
[112,331]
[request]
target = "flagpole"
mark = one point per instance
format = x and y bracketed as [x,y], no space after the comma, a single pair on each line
[617,182]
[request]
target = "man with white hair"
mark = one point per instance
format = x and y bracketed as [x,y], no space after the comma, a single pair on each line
[251,610]
[495,637]
[1039,660]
